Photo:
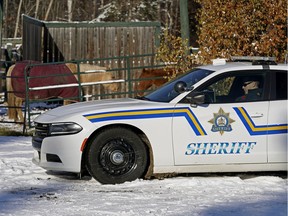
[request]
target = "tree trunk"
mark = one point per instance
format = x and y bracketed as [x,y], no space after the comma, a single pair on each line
[36,8]
[69,5]
[18,18]
[48,10]
[5,24]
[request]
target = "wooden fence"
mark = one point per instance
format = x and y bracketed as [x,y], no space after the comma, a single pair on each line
[59,41]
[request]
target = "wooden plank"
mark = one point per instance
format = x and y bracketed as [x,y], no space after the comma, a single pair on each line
[73,43]
[112,41]
[90,45]
[149,45]
[106,43]
[101,42]
[83,44]
[119,42]
[124,40]
[96,42]
[78,44]
[67,52]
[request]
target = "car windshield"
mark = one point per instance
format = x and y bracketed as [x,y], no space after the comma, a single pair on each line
[166,93]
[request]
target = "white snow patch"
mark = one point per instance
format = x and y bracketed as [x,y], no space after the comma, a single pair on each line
[26,189]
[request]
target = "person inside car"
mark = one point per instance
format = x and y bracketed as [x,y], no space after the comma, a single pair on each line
[251,90]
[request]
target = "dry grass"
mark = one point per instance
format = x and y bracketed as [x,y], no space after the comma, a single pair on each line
[11,132]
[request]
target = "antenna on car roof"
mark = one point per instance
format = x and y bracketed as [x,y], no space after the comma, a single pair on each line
[256,60]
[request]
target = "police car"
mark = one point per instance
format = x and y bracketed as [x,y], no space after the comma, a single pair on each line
[203,121]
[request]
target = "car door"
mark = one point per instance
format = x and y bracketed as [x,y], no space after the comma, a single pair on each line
[277,120]
[222,130]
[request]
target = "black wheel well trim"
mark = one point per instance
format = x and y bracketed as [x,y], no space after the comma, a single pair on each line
[149,171]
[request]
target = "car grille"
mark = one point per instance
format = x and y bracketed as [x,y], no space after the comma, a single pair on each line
[41,131]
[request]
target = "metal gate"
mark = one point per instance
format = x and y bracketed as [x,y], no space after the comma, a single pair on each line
[125,75]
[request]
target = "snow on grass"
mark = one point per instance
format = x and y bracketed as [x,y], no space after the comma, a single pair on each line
[26,189]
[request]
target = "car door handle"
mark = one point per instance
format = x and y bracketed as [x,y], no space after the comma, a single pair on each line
[256,115]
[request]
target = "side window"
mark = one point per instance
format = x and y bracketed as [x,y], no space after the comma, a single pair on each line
[223,86]
[219,91]
[240,86]
[281,85]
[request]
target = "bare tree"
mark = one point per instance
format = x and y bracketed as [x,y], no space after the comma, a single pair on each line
[5,9]
[18,18]
[69,5]
[36,8]
[48,10]
[164,11]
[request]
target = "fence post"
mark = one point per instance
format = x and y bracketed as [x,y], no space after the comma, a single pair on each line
[27,102]
[127,58]
[80,96]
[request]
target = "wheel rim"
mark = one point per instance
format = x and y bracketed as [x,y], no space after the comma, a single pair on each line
[117,157]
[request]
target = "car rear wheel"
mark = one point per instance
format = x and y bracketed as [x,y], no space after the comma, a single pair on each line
[116,155]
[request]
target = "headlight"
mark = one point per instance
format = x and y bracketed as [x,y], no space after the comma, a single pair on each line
[64,128]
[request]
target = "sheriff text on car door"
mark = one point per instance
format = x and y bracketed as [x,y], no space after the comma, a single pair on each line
[222,130]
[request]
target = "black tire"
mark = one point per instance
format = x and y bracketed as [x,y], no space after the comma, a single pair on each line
[116,155]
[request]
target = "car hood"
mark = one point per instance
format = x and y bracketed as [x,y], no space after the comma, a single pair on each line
[84,108]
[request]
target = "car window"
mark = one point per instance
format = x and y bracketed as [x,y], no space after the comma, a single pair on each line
[219,91]
[167,93]
[242,86]
[281,85]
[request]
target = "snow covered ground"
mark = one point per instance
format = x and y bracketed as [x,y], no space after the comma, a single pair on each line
[26,189]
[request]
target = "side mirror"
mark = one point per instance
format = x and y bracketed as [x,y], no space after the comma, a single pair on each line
[181,87]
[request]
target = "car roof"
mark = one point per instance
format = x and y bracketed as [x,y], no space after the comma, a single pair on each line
[226,65]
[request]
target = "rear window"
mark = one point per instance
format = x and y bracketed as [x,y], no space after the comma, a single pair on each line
[281,85]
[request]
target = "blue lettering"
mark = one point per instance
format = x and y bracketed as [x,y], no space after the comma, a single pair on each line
[249,147]
[199,148]
[233,147]
[213,147]
[219,148]
[240,147]
[223,147]
[190,149]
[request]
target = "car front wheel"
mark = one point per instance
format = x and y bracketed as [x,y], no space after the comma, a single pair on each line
[117,155]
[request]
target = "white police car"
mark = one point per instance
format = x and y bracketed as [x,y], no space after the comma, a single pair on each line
[199,122]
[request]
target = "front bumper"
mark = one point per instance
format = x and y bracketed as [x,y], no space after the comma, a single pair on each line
[59,153]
